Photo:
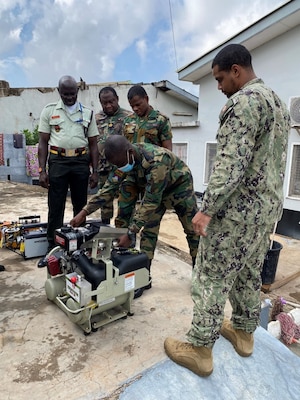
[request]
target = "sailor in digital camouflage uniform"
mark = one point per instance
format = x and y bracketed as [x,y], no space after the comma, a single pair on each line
[243,201]
[109,122]
[166,182]
[144,125]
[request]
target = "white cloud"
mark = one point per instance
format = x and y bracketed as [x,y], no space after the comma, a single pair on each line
[27,62]
[114,40]
[64,2]
[61,38]
[107,66]
[14,35]
[141,46]
[201,25]
[7,5]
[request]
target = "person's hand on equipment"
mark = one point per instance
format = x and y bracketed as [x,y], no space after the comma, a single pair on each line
[79,219]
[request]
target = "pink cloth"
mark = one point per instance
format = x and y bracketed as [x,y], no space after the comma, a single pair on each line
[32,164]
[289,330]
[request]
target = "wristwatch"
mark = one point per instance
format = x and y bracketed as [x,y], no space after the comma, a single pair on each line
[41,170]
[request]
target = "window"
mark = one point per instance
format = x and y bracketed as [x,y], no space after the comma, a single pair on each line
[210,154]
[180,149]
[294,184]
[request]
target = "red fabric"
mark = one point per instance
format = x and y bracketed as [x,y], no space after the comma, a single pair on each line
[1,150]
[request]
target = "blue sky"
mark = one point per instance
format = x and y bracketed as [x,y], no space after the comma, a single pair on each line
[115,40]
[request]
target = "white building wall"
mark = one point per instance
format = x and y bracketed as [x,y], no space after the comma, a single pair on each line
[19,112]
[277,63]
[22,112]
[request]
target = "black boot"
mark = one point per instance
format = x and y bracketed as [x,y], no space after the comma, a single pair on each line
[138,292]
[105,221]
[42,262]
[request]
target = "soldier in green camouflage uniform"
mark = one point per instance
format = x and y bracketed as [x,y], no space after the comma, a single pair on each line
[144,125]
[243,200]
[109,122]
[166,182]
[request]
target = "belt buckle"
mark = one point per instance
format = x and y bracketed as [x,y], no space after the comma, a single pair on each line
[70,153]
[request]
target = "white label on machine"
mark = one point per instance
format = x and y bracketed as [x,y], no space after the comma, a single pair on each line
[73,245]
[129,281]
[73,290]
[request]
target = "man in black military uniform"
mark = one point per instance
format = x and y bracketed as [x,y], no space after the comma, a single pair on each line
[68,143]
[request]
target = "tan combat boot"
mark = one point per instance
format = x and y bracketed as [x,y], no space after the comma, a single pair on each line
[242,341]
[197,359]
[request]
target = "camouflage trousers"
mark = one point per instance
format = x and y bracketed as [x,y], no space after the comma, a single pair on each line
[228,266]
[182,200]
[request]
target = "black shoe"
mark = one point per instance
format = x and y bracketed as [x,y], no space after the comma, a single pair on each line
[105,221]
[139,292]
[42,262]
[149,286]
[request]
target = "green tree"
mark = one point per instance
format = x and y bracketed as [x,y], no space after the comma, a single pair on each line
[31,137]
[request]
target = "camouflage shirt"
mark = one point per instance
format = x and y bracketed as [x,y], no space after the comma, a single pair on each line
[158,171]
[108,125]
[246,184]
[154,128]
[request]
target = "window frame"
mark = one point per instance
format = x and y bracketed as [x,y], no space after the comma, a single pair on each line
[182,143]
[207,174]
[290,175]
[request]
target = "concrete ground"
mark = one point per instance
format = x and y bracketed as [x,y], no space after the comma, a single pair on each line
[45,356]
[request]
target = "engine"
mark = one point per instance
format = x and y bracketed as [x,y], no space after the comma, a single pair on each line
[90,276]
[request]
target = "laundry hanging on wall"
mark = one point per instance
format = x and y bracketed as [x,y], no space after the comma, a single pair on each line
[32,165]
